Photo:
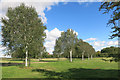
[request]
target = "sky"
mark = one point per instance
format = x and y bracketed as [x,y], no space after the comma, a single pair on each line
[81,16]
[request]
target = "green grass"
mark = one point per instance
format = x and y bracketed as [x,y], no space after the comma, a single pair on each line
[95,68]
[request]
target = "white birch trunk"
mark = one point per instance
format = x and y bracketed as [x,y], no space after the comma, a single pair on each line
[58,56]
[26,64]
[40,56]
[83,55]
[39,59]
[91,57]
[71,56]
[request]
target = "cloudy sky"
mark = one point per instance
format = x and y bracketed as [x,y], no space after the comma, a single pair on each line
[83,16]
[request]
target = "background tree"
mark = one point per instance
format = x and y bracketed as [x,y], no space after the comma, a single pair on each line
[57,48]
[22,29]
[65,43]
[98,54]
[109,51]
[84,49]
[78,48]
[70,39]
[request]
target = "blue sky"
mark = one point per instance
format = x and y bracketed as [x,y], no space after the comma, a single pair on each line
[84,17]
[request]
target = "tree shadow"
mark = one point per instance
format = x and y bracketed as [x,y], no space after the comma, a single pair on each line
[110,60]
[47,61]
[17,60]
[76,73]
[11,64]
[104,59]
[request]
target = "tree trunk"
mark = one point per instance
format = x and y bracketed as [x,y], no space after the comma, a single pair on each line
[91,57]
[58,57]
[39,59]
[83,55]
[88,56]
[26,64]
[71,56]
[29,62]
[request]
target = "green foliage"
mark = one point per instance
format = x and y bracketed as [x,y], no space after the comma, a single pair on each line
[111,52]
[57,48]
[84,46]
[69,41]
[113,7]
[98,54]
[45,55]
[22,31]
[65,43]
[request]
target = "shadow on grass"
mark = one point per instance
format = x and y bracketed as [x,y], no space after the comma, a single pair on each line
[11,64]
[17,60]
[74,73]
[48,61]
[110,60]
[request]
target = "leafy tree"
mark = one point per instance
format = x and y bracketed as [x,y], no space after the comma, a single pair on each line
[19,53]
[113,7]
[22,30]
[70,39]
[98,54]
[65,44]
[57,49]
[84,49]
[79,48]
[110,51]
[45,55]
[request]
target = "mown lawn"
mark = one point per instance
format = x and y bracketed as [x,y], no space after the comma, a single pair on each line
[51,68]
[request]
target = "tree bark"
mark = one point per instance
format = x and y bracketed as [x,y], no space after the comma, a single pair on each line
[83,55]
[40,57]
[29,62]
[58,57]
[91,57]
[26,64]
[71,56]
[88,56]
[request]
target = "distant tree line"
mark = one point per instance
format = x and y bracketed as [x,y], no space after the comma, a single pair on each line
[109,52]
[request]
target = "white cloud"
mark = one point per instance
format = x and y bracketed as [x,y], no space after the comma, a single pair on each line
[98,45]
[0,39]
[90,39]
[53,34]
[1,55]
[39,5]
[1,50]
[112,43]
[51,37]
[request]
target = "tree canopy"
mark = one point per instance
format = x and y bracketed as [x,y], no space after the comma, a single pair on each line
[69,41]
[23,30]
[113,7]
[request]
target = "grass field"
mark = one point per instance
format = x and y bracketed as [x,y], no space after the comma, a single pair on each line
[51,68]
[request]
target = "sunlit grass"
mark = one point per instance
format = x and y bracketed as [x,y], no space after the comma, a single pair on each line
[95,67]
